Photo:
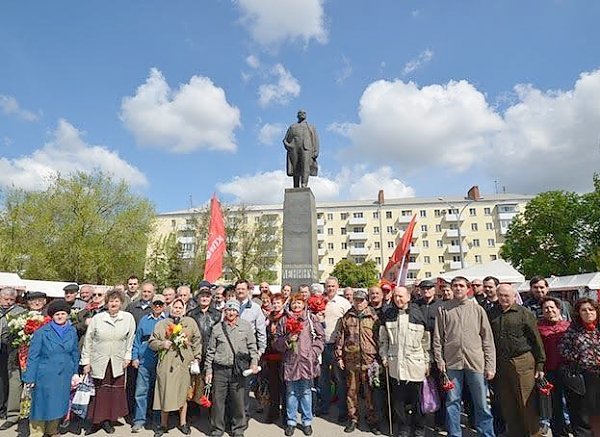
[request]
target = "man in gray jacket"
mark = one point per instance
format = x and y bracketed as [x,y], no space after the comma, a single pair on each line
[463,347]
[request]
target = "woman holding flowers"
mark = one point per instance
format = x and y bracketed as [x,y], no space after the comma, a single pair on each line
[178,342]
[105,355]
[53,360]
[300,338]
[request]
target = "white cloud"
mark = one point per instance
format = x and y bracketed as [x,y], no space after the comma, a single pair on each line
[10,106]
[253,61]
[436,124]
[281,92]
[270,133]
[65,153]
[414,64]
[268,187]
[272,22]
[344,72]
[550,139]
[195,116]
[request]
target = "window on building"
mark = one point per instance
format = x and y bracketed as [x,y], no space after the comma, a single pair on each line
[357,214]
[343,231]
[376,230]
[474,227]
[437,213]
[441,259]
[456,258]
[425,244]
[406,213]
[319,230]
[493,257]
[375,214]
[377,245]
[426,260]
[428,274]
[390,229]
[359,244]
[359,259]
[412,259]
[491,242]
[329,231]
[438,228]
[330,246]
[487,211]
[344,215]
[453,226]
[453,211]
[344,246]
[423,228]
[411,275]
[173,223]
[388,214]
[331,261]
[390,244]
[358,229]
[319,215]
[329,216]
[489,226]
[256,219]
[472,212]
[478,259]
[423,213]
[440,243]
[378,260]
[476,242]
[454,242]
[320,245]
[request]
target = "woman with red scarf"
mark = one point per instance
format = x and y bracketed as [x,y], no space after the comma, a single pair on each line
[300,338]
[552,328]
[271,361]
[580,352]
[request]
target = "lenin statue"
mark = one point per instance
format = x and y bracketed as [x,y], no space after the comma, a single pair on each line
[302,145]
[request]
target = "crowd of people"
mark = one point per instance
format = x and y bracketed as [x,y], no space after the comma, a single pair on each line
[482,349]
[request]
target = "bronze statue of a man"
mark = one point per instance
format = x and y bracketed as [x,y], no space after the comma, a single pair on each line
[302,145]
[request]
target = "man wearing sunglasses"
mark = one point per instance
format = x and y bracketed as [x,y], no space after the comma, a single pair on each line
[144,360]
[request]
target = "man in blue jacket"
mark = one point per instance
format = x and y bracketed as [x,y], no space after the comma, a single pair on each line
[145,359]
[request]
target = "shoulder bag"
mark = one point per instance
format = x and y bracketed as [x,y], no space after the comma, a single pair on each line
[241,361]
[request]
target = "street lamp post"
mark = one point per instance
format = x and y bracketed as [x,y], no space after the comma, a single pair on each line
[452,208]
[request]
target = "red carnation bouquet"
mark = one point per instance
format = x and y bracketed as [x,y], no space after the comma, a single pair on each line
[293,326]
[447,384]
[205,398]
[316,303]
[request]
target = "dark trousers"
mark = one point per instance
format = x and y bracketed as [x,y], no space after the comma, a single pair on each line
[517,395]
[228,392]
[499,425]
[276,386]
[581,407]
[557,423]
[404,395]
[130,385]
[3,380]
[331,371]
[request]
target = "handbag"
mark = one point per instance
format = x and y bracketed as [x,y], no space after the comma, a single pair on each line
[430,400]
[81,398]
[573,379]
[241,361]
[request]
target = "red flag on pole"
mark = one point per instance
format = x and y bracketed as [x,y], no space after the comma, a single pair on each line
[215,248]
[397,267]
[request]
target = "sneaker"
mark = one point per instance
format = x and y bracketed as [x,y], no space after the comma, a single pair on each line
[307,430]
[289,430]
[137,428]
[350,427]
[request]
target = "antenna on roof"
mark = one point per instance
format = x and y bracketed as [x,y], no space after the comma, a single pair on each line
[495,187]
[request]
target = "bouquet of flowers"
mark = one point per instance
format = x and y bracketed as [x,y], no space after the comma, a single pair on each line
[73,315]
[21,329]
[293,326]
[205,398]
[373,373]
[447,384]
[176,335]
[316,303]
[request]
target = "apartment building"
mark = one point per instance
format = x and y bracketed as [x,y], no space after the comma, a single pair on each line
[450,233]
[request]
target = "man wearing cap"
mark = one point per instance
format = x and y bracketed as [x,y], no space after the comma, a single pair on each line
[206,316]
[356,351]
[71,297]
[144,360]
[10,376]
[228,388]
[36,301]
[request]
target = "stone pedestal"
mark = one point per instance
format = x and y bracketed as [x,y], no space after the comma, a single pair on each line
[300,261]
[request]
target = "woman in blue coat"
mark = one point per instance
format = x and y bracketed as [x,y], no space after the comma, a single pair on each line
[53,360]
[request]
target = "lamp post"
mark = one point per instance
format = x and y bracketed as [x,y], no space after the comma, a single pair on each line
[452,207]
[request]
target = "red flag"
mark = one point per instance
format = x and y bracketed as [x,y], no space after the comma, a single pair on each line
[397,266]
[215,248]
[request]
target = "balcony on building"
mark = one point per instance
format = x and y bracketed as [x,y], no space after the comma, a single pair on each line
[186,240]
[414,250]
[322,251]
[322,267]
[415,266]
[187,254]
[357,251]
[186,227]
[453,233]
[357,236]
[454,248]
[320,222]
[404,219]
[357,221]
[320,237]
[452,218]
[455,265]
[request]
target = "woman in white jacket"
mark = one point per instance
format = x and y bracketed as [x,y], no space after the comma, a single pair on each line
[106,354]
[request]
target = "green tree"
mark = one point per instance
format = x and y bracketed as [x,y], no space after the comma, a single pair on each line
[165,265]
[350,274]
[551,236]
[85,228]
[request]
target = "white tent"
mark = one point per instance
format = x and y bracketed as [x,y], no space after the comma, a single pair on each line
[497,268]
[51,288]
[11,280]
[571,282]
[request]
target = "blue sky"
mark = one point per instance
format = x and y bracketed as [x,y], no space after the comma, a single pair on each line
[186,98]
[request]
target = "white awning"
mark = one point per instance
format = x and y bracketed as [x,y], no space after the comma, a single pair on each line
[497,268]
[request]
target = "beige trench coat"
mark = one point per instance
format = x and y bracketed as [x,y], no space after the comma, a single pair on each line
[108,339]
[173,377]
